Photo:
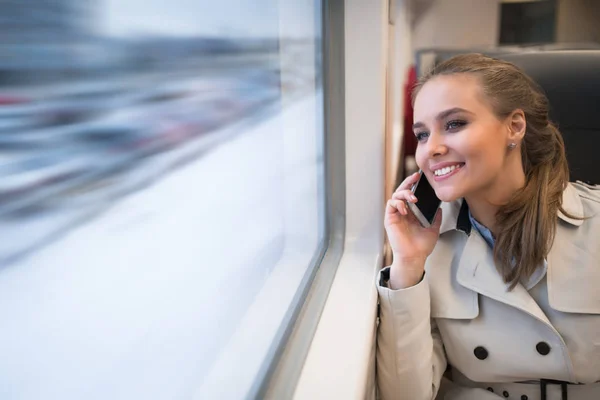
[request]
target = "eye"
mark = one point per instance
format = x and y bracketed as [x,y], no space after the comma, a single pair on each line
[455,125]
[421,136]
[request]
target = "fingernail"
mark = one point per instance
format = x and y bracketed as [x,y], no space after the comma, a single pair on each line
[413,197]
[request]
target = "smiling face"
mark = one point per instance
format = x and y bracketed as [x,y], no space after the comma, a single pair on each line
[462,145]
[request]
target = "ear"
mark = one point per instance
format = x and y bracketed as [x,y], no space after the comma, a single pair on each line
[517,126]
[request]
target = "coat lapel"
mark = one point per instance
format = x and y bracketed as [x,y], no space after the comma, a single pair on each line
[478,272]
[573,275]
[573,272]
[448,298]
[474,269]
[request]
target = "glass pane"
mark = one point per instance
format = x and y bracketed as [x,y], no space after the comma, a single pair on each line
[161,193]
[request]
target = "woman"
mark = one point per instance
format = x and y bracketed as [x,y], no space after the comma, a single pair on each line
[503,287]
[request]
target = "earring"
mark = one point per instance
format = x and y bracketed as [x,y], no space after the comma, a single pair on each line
[512,146]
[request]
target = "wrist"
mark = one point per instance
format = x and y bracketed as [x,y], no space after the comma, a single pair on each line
[406,272]
[408,262]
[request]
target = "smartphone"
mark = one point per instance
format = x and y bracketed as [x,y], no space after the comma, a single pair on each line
[427,203]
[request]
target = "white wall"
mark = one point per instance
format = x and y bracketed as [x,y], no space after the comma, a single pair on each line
[458,24]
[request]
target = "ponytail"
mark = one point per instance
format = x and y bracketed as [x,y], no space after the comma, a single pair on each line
[526,226]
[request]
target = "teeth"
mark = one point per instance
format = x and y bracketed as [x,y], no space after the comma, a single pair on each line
[445,170]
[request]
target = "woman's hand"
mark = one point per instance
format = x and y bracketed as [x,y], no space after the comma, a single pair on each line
[411,243]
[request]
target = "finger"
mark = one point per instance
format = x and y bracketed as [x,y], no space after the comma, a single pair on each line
[390,207]
[402,207]
[406,210]
[409,181]
[397,206]
[405,195]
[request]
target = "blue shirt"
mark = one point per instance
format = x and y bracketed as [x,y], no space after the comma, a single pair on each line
[489,239]
[483,231]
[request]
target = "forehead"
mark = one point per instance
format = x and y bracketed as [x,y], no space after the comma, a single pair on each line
[445,92]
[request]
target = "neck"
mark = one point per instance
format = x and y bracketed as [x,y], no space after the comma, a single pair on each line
[485,204]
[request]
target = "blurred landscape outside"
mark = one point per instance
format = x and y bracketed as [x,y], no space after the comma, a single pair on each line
[142,167]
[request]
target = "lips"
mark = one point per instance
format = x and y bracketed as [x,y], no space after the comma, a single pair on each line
[446,169]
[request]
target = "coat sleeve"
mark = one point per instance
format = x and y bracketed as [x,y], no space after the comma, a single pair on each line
[410,353]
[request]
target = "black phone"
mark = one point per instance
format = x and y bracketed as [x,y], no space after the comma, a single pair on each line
[427,203]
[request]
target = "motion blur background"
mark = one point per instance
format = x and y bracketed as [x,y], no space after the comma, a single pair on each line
[151,156]
[165,201]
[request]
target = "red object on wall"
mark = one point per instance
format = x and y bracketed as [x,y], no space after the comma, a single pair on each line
[409,140]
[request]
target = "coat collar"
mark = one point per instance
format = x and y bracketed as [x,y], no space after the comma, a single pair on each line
[455,215]
[478,272]
[472,266]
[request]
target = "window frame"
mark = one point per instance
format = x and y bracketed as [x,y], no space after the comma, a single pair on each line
[340,362]
[282,370]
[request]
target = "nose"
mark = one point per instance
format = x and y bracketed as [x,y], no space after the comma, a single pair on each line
[436,146]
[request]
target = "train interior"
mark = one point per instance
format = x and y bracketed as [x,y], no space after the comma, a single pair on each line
[192,193]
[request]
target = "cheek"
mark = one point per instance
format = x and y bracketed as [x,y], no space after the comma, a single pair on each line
[420,157]
[486,146]
[488,159]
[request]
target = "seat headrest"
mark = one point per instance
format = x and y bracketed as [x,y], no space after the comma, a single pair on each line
[571,80]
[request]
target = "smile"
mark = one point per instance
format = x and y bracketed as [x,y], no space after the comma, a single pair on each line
[447,170]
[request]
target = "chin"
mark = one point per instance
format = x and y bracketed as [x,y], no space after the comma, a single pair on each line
[448,194]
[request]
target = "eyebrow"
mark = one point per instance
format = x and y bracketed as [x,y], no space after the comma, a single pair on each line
[442,115]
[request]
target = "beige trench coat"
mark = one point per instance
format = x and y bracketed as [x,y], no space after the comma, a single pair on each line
[462,314]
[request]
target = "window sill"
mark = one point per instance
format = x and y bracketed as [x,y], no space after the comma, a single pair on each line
[341,360]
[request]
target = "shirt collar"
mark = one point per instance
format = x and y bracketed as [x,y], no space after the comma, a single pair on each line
[483,231]
[455,214]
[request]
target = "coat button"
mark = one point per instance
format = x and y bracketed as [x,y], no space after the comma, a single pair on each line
[524,397]
[543,348]
[490,389]
[505,394]
[480,352]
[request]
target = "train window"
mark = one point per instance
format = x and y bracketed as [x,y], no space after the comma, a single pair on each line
[163,193]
